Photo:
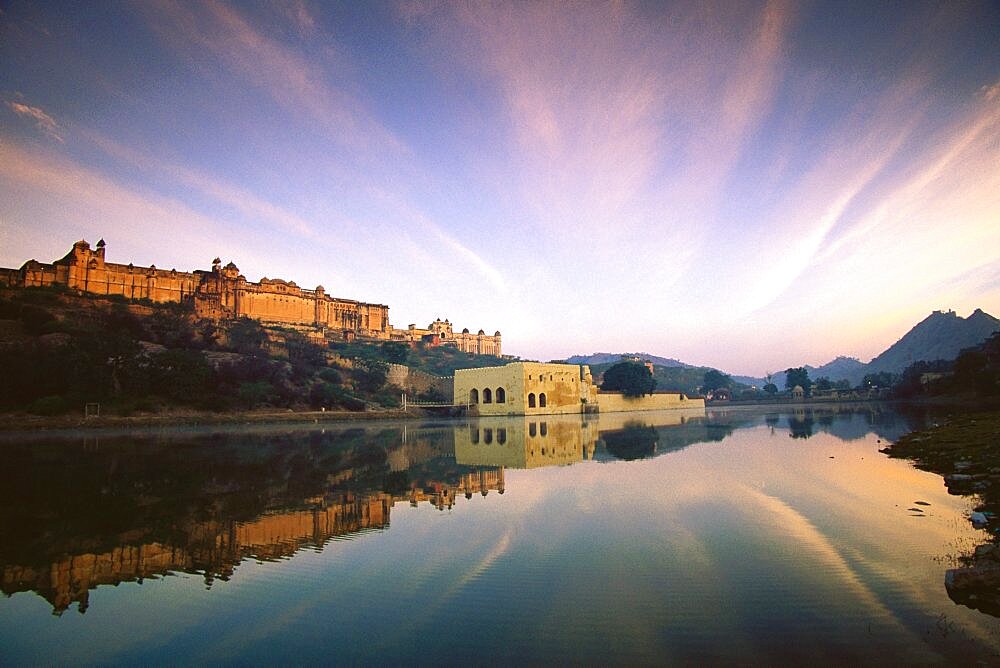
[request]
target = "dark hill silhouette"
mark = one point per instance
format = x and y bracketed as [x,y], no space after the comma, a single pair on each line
[939,336]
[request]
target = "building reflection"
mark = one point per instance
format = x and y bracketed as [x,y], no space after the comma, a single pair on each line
[145,507]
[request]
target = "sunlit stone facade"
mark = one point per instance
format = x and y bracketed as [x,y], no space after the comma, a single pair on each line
[533,388]
[441,332]
[219,293]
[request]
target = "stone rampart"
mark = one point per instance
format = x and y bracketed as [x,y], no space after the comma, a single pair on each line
[612,402]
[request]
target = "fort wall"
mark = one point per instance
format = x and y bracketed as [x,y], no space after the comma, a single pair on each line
[612,402]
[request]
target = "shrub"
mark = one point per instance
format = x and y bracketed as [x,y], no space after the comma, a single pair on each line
[50,405]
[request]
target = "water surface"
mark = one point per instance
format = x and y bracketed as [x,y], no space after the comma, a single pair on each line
[729,536]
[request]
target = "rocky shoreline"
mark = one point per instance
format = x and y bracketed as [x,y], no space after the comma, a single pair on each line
[965,450]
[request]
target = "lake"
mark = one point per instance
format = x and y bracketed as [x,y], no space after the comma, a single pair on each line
[725,536]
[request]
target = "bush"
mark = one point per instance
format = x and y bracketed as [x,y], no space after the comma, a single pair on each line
[254,394]
[324,395]
[36,320]
[331,376]
[50,405]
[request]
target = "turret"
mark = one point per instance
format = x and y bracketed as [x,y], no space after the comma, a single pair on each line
[231,271]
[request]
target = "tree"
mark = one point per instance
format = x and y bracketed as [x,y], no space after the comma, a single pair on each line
[876,380]
[370,375]
[632,379]
[395,352]
[798,376]
[771,388]
[716,380]
[246,336]
[823,383]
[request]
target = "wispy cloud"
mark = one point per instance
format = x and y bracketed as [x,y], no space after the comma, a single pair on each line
[618,120]
[100,205]
[295,81]
[238,198]
[43,121]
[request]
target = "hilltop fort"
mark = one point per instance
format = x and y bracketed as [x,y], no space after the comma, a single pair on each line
[222,293]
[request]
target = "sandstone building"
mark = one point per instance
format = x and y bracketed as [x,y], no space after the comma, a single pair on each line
[531,388]
[440,332]
[223,293]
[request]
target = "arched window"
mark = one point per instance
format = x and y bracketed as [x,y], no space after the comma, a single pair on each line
[532,429]
[473,396]
[474,436]
[501,396]
[531,400]
[487,436]
[543,429]
[487,396]
[501,435]
[541,400]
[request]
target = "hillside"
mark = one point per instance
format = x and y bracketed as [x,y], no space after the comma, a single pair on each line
[611,358]
[840,368]
[60,350]
[940,336]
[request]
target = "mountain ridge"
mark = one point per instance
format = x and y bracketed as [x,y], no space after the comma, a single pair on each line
[941,335]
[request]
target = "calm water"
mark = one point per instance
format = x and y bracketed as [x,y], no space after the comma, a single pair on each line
[732,536]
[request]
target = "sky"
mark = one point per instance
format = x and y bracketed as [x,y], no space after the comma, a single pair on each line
[749,186]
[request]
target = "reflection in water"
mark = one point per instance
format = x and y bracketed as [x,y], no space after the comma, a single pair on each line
[143,506]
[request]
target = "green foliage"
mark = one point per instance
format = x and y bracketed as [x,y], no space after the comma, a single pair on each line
[331,375]
[395,352]
[254,394]
[716,380]
[823,383]
[247,337]
[36,320]
[173,329]
[369,375]
[882,379]
[798,376]
[632,379]
[182,376]
[910,382]
[99,358]
[304,355]
[324,395]
[50,405]
[436,360]
[431,394]
[771,389]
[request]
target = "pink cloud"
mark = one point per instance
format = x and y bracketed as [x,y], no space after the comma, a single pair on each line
[45,123]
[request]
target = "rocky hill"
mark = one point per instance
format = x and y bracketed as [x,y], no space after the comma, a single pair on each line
[939,336]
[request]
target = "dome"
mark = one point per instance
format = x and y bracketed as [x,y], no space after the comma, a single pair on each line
[481,332]
[496,333]
[465,331]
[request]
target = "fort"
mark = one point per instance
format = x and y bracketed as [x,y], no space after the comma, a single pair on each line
[222,293]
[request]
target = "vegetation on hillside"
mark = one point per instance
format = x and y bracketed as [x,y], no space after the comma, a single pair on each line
[60,350]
